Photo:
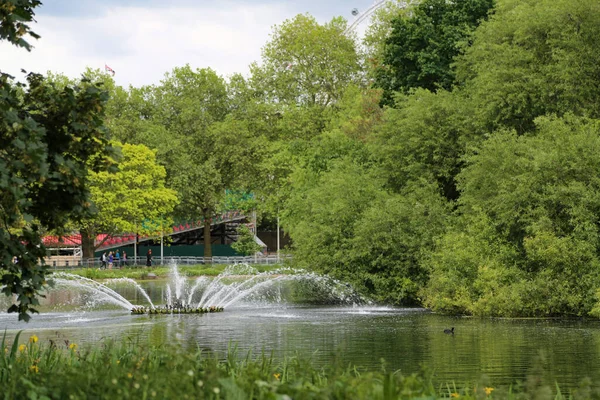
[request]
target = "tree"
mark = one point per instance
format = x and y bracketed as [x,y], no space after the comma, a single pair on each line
[389,251]
[49,137]
[527,240]
[208,151]
[246,243]
[425,137]
[423,43]
[380,28]
[131,199]
[534,58]
[306,63]
[322,210]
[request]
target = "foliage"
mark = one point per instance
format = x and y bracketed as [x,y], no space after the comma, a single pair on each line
[529,241]
[306,63]
[534,58]
[208,150]
[49,136]
[132,199]
[245,243]
[379,29]
[321,212]
[425,138]
[14,18]
[423,43]
[391,243]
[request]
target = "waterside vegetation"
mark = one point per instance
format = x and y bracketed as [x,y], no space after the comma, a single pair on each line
[132,369]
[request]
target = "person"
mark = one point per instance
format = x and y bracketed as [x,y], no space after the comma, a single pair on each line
[149,258]
[124,258]
[111,259]
[103,261]
[118,259]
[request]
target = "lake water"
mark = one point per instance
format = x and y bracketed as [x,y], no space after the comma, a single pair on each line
[502,349]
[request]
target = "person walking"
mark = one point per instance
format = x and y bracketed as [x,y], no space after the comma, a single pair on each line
[125,258]
[103,261]
[111,259]
[118,259]
[149,258]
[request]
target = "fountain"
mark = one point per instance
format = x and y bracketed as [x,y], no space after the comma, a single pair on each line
[209,295]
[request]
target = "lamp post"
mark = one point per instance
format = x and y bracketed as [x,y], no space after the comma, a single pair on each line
[278,243]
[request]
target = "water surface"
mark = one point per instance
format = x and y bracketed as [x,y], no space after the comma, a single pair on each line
[504,350]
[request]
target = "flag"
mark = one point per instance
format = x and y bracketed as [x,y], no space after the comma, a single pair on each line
[109,69]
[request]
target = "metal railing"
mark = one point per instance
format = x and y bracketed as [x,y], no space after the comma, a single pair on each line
[137,262]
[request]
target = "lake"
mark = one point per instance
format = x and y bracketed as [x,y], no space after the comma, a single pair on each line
[504,350]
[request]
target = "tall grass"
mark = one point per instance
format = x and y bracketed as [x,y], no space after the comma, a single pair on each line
[131,369]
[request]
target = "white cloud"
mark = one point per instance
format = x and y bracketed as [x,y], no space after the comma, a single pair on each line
[141,44]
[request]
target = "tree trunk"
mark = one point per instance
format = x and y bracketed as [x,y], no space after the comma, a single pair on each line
[207,238]
[87,243]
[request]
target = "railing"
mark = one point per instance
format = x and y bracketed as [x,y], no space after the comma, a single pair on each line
[179,260]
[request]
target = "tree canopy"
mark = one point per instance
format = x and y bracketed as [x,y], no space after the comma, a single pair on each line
[423,42]
[131,199]
[49,137]
[463,178]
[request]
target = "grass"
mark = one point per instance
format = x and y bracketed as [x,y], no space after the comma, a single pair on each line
[130,369]
[141,273]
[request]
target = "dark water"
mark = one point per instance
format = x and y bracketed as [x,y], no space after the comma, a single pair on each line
[503,350]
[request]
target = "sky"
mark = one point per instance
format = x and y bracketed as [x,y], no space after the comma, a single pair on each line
[141,40]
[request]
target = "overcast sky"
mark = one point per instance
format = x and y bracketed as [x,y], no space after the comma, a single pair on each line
[143,39]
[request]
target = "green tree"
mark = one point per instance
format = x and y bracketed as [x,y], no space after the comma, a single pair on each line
[307,63]
[49,137]
[425,138]
[423,43]
[534,58]
[131,199]
[205,150]
[379,29]
[321,211]
[245,244]
[392,240]
[530,227]
[188,103]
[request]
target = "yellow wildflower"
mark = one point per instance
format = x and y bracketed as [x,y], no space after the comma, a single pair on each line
[454,394]
[34,369]
[33,339]
[22,347]
[73,346]
[277,376]
[129,375]
[488,390]
[118,361]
